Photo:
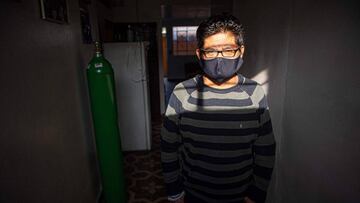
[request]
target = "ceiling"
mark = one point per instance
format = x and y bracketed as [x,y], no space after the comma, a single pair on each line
[112,3]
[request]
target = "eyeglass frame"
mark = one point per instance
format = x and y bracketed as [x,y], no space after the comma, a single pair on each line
[203,51]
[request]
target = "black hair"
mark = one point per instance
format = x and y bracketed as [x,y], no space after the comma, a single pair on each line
[220,23]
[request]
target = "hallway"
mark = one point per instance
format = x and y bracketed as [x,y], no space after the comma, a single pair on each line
[144,174]
[306,53]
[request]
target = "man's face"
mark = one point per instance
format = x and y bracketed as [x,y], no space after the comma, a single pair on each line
[220,42]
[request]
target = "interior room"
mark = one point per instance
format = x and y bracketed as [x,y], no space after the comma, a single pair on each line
[305,55]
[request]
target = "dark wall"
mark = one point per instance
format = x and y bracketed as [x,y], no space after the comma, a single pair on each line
[311,52]
[322,103]
[45,137]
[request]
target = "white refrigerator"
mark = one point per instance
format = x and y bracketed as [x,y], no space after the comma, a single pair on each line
[132,91]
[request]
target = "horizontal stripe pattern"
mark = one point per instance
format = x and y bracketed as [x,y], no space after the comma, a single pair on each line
[223,124]
[217,142]
[212,198]
[239,131]
[220,102]
[220,139]
[209,94]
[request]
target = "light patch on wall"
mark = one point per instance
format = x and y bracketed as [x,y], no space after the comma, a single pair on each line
[163,30]
[263,79]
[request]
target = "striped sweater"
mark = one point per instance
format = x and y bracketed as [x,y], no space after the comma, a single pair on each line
[218,144]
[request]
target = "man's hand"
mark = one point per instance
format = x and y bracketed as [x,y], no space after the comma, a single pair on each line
[248,200]
[180,200]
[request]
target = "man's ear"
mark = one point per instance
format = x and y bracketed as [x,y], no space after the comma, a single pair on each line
[242,50]
[198,53]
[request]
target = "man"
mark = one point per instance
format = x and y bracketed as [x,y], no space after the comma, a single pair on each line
[217,143]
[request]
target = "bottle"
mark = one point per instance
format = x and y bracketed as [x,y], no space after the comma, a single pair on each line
[130,34]
[101,84]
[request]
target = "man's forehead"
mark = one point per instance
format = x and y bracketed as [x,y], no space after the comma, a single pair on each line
[220,40]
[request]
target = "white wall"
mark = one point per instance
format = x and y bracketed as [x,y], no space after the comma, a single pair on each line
[312,55]
[47,151]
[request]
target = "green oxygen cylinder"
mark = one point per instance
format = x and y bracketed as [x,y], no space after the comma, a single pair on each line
[101,84]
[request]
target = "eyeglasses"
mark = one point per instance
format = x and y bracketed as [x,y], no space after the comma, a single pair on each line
[226,53]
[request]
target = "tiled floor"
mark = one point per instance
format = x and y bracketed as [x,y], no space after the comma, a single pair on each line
[143,173]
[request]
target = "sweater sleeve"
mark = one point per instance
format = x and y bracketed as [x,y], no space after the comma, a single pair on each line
[264,155]
[170,143]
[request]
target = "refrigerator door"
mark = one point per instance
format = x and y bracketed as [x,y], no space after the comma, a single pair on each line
[132,92]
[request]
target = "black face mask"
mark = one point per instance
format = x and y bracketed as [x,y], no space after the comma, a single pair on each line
[221,69]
